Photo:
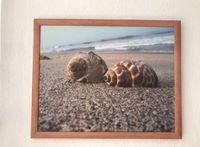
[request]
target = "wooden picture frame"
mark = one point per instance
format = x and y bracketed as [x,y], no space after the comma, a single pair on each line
[176,134]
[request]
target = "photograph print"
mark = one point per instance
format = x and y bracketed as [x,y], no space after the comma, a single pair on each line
[104,78]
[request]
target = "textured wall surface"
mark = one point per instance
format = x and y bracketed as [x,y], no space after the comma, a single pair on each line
[16,50]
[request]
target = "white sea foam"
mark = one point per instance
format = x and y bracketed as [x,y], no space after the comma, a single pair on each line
[140,42]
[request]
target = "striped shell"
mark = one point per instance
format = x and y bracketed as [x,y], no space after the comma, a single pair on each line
[131,73]
[86,68]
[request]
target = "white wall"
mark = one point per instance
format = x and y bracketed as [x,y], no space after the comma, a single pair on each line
[17,41]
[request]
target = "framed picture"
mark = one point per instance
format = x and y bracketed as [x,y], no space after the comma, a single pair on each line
[106,79]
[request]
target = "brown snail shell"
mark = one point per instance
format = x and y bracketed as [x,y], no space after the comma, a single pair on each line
[131,73]
[86,68]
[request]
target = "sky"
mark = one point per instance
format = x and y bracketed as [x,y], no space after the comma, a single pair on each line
[52,36]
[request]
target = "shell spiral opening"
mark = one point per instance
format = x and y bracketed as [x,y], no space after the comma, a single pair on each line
[86,68]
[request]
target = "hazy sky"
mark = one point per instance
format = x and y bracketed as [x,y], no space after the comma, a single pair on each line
[59,35]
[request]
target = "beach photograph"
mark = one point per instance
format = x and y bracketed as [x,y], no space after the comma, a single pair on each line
[106,79]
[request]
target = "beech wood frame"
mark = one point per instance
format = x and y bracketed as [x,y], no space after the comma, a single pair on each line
[177,134]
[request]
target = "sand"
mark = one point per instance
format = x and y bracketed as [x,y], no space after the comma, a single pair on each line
[65,106]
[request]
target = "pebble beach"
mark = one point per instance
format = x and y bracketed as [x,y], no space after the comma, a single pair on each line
[66,106]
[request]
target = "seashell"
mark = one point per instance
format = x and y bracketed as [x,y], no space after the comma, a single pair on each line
[86,68]
[131,73]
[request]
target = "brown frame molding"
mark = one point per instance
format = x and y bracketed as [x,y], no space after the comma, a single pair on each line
[93,22]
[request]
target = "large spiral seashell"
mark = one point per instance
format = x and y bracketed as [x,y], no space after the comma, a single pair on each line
[86,68]
[131,73]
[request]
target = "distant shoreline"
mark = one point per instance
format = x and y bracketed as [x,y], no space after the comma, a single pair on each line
[108,52]
[151,48]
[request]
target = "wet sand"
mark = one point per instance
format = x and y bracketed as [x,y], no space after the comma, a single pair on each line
[65,106]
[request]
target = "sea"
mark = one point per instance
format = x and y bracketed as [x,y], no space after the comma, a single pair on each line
[162,42]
